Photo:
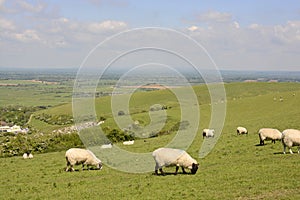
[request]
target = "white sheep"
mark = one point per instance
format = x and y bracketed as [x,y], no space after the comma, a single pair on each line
[27,155]
[269,134]
[290,138]
[131,142]
[77,156]
[165,157]
[208,133]
[241,130]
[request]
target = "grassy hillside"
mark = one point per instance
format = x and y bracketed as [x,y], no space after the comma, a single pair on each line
[237,168]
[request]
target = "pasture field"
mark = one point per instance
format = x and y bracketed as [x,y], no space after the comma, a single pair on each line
[34,93]
[237,168]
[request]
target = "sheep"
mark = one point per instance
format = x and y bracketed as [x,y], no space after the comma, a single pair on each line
[241,130]
[131,142]
[77,156]
[269,134]
[27,155]
[208,133]
[291,137]
[174,157]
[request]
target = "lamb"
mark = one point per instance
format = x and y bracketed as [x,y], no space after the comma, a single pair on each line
[77,156]
[174,157]
[269,134]
[291,137]
[208,133]
[241,130]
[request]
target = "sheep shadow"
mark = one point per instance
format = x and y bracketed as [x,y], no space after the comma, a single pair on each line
[78,170]
[278,153]
[171,174]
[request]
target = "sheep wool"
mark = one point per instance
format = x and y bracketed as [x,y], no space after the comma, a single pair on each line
[208,133]
[77,156]
[290,138]
[269,134]
[165,157]
[241,130]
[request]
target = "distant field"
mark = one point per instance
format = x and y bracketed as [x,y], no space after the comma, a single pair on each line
[34,93]
[237,168]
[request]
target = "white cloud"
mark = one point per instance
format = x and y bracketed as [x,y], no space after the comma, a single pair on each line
[214,16]
[31,8]
[193,28]
[106,26]
[27,36]
[6,24]
[290,32]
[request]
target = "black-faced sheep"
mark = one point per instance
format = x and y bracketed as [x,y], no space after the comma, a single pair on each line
[290,138]
[77,156]
[165,157]
[269,134]
[241,130]
[208,133]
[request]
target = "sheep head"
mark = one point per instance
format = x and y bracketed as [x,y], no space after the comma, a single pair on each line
[194,168]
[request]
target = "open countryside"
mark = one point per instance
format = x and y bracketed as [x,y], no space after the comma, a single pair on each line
[237,168]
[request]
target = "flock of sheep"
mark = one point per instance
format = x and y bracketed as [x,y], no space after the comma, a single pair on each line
[289,137]
[162,156]
[165,157]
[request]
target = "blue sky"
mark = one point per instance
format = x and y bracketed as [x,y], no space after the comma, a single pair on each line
[243,35]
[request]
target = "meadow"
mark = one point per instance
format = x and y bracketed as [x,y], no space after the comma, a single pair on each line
[237,168]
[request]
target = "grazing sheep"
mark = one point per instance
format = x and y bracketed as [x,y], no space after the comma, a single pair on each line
[27,155]
[269,134]
[76,156]
[241,130]
[131,142]
[208,133]
[174,157]
[290,138]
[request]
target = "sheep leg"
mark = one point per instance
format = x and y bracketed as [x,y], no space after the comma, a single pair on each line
[183,170]
[176,170]
[284,148]
[262,142]
[291,151]
[298,149]
[161,171]
[68,165]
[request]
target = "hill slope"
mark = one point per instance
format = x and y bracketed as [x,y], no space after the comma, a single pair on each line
[237,168]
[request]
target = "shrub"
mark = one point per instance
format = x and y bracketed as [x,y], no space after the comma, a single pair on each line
[119,136]
[121,112]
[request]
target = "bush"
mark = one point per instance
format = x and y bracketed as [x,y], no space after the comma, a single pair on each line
[37,143]
[121,112]
[119,136]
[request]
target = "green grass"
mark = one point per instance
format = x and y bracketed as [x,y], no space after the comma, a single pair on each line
[237,168]
[28,93]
